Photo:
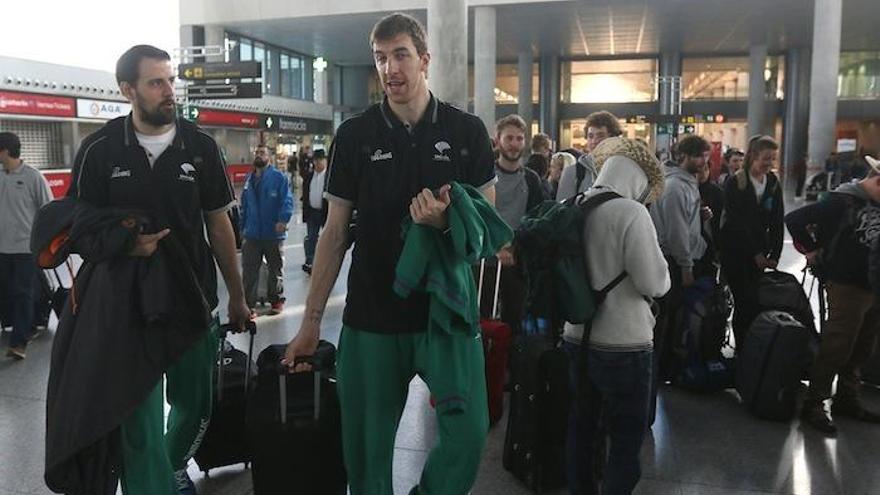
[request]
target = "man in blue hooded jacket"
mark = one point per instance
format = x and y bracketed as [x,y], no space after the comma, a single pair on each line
[266,208]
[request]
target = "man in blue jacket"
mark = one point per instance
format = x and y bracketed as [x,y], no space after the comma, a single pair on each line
[266,208]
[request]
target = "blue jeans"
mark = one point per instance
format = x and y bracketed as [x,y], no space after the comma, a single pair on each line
[620,384]
[313,230]
[17,275]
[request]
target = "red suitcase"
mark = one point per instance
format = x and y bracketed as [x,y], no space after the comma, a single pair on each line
[496,347]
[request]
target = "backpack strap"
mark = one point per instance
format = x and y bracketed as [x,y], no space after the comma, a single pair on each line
[581,170]
[602,293]
[588,205]
[535,192]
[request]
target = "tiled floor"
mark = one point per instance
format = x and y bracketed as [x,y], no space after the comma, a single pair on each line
[700,445]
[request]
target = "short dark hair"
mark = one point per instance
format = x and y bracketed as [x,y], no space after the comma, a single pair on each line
[604,119]
[692,145]
[127,67]
[512,120]
[731,152]
[540,140]
[10,142]
[398,23]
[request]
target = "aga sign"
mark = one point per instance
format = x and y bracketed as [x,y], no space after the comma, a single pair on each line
[99,109]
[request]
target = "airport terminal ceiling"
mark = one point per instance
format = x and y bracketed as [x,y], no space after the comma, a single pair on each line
[586,28]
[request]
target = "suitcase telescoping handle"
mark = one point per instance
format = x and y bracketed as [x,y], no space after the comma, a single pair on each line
[497,286]
[283,371]
[225,329]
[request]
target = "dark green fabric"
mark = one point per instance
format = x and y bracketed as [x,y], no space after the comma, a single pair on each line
[550,251]
[374,372]
[440,263]
[151,453]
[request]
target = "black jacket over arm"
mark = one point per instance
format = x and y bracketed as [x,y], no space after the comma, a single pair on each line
[751,227]
[132,318]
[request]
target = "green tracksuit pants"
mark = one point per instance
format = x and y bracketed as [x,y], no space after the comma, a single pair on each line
[150,453]
[374,372]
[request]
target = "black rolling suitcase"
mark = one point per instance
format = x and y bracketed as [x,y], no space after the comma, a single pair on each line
[225,441]
[534,444]
[781,291]
[294,427]
[777,352]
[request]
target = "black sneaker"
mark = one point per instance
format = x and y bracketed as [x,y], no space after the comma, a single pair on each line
[813,414]
[307,268]
[852,407]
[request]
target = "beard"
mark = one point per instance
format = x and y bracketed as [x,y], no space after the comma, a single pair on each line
[260,163]
[158,115]
[511,157]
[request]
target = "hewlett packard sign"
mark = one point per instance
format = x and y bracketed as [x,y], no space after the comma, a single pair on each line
[98,109]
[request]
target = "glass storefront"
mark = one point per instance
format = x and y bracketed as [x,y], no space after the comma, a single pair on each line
[859,76]
[609,81]
[507,83]
[290,78]
[727,78]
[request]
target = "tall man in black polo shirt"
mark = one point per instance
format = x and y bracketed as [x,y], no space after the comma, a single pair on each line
[152,162]
[385,163]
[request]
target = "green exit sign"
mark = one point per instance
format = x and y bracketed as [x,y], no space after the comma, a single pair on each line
[189,112]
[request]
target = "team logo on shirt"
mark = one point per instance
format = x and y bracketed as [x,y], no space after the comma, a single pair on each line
[378,155]
[118,173]
[442,147]
[187,169]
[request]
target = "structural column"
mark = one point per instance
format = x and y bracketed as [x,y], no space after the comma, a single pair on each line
[524,100]
[669,89]
[549,96]
[823,83]
[447,44]
[215,36]
[669,96]
[756,117]
[794,142]
[484,65]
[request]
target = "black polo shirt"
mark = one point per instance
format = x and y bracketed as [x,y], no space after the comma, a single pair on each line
[186,182]
[377,165]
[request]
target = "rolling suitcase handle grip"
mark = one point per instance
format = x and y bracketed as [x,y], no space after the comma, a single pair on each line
[224,330]
[283,371]
[497,286]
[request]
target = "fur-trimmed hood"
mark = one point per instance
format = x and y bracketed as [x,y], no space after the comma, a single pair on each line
[640,155]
